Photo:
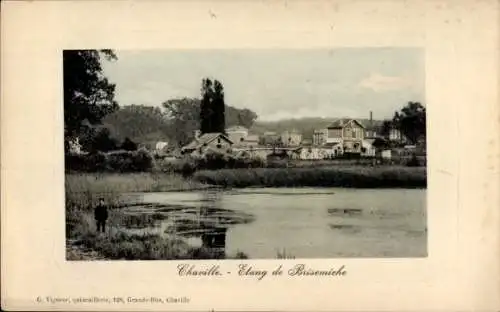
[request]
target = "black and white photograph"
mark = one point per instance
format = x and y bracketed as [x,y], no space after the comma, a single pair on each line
[245,153]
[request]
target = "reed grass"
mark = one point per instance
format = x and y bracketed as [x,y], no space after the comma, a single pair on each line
[355,176]
[83,190]
[82,194]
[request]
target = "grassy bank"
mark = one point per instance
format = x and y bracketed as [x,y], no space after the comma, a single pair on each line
[84,189]
[82,193]
[117,244]
[360,177]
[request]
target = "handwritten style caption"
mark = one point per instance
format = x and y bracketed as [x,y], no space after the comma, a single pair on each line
[248,270]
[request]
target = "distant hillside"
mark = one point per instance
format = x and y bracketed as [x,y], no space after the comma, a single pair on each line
[148,124]
[306,126]
[140,123]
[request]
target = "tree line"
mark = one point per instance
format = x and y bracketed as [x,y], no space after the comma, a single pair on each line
[92,115]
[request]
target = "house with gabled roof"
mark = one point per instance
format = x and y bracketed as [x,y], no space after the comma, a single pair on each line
[347,133]
[214,141]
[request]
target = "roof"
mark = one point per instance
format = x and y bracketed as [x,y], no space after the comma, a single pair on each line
[330,144]
[205,139]
[342,122]
[373,125]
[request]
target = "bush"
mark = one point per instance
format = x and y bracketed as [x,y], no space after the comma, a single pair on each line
[119,161]
[129,145]
[189,165]
[413,161]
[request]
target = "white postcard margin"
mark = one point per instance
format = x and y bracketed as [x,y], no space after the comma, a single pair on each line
[461,43]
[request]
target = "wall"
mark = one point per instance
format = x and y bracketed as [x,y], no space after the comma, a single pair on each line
[237,136]
[334,133]
[224,145]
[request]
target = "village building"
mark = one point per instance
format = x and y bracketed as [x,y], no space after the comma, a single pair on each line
[333,149]
[237,133]
[396,135]
[367,148]
[349,133]
[371,132]
[319,136]
[241,137]
[161,146]
[216,142]
[270,138]
[252,140]
[347,136]
[291,138]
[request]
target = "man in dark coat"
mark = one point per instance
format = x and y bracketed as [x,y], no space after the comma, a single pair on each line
[101,215]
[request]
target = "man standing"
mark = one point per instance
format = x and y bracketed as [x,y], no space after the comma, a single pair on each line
[101,215]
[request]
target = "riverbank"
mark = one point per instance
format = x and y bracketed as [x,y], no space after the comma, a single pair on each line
[85,243]
[354,176]
[84,190]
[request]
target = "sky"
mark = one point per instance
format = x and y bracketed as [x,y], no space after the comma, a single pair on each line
[277,84]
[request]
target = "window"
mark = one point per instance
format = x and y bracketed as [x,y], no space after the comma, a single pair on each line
[218,140]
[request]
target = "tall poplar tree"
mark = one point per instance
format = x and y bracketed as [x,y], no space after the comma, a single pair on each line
[206,110]
[219,120]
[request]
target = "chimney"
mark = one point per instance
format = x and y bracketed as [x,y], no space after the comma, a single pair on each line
[371,117]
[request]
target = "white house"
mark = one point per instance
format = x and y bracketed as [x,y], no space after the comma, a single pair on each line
[161,146]
[367,148]
[237,134]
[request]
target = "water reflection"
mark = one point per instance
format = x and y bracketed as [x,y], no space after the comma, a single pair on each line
[317,224]
[201,220]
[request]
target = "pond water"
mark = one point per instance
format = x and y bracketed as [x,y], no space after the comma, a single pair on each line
[299,223]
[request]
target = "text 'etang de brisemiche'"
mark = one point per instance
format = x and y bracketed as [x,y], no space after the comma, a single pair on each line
[248,270]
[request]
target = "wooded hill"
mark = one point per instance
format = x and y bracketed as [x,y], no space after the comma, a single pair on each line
[148,124]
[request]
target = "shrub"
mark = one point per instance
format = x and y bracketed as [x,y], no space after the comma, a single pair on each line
[118,161]
[413,161]
[129,145]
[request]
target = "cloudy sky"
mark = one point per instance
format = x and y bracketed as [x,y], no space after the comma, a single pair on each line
[277,84]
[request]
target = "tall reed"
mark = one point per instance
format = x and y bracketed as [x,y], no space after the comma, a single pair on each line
[355,176]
